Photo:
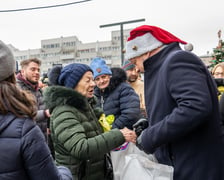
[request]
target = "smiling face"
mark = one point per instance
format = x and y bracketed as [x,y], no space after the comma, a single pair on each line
[102,81]
[31,72]
[86,85]
[132,74]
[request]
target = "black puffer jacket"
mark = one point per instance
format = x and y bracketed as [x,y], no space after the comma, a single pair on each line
[120,100]
[24,153]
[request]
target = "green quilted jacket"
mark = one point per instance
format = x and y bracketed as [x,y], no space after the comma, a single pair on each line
[78,138]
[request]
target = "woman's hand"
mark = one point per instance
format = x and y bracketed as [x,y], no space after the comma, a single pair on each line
[129,135]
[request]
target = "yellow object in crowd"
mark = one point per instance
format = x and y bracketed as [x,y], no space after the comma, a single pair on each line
[106,122]
[221,91]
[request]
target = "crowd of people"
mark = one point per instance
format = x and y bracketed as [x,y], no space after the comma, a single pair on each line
[24,152]
[53,131]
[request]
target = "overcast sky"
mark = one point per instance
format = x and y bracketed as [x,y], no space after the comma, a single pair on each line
[194,21]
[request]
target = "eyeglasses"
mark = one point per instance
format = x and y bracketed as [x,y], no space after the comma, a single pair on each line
[218,73]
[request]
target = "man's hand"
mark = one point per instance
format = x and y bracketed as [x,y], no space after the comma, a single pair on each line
[140,125]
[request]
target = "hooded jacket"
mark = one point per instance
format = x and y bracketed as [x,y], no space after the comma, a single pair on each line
[79,141]
[24,153]
[119,99]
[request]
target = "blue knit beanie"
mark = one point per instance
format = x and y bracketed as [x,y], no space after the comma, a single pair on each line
[71,74]
[127,65]
[99,67]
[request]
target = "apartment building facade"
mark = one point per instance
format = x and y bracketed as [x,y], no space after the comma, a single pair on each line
[65,50]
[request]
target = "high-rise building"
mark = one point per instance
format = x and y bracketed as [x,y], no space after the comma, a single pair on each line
[65,50]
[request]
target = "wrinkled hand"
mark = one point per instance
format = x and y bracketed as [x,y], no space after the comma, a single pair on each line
[47,113]
[140,125]
[129,135]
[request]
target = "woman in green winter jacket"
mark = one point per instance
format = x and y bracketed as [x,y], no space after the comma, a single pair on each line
[78,138]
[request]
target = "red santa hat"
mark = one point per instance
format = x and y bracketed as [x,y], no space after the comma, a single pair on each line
[147,38]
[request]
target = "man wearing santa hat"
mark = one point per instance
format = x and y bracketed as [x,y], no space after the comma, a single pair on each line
[183,113]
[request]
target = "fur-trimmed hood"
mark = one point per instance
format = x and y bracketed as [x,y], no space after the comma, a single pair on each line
[118,76]
[59,95]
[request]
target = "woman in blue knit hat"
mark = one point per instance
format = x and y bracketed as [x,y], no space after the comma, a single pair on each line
[115,95]
[78,137]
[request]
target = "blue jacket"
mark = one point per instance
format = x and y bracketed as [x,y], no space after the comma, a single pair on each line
[24,153]
[119,99]
[185,129]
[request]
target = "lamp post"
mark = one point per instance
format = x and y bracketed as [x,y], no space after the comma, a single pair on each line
[121,33]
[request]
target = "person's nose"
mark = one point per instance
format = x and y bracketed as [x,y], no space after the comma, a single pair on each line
[101,80]
[134,72]
[93,83]
[137,70]
[37,72]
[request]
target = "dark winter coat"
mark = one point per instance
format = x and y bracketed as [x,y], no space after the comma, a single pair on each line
[221,107]
[79,141]
[24,154]
[120,100]
[185,127]
[41,119]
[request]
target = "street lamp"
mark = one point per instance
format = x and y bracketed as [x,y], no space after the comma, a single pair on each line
[121,32]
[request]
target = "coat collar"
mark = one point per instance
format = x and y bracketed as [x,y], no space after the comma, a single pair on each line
[59,95]
[154,62]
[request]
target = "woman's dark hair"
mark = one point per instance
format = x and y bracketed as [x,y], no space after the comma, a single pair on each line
[15,100]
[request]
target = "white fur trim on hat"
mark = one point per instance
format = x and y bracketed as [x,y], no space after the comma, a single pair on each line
[141,45]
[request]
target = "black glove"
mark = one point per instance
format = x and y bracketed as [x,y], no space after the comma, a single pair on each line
[140,125]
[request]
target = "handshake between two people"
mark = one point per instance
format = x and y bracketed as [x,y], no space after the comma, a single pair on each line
[138,127]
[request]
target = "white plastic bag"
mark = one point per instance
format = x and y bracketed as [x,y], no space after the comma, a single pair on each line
[131,163]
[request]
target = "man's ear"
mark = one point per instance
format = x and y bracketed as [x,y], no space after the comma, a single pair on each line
[22,72]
